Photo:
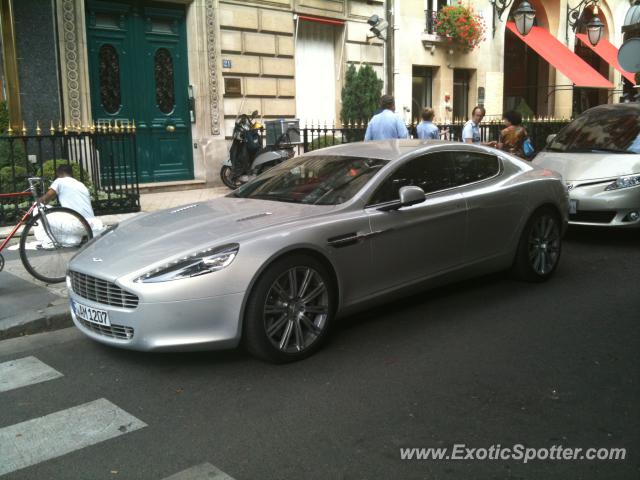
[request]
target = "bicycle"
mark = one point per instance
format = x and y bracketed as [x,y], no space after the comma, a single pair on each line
[58,233]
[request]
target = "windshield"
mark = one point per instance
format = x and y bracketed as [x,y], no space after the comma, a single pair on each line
[615,130]
[315,180]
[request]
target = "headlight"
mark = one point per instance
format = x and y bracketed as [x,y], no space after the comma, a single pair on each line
[624,182]
[198,263]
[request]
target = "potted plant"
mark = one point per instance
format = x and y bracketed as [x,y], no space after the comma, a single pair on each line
[462,25]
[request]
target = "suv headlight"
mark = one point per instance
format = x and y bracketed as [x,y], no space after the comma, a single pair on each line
[198,263]
[625,182]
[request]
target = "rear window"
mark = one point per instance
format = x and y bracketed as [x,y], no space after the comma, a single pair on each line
[610,130]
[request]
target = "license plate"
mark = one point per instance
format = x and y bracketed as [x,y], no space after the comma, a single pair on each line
[90,314]
[573,207]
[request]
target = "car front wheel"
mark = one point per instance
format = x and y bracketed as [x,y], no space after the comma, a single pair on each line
[289,310]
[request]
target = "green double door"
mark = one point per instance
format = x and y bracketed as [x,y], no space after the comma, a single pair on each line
[138,71]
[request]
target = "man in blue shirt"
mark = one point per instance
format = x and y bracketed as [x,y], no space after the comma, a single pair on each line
[386,124]
[426,129]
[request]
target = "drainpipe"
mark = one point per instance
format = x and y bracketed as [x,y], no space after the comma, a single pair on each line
[389,46]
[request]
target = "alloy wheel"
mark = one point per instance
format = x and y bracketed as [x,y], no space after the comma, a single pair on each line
[296,309]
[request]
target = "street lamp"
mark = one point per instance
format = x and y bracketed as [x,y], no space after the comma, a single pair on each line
[524,17]
[595,27]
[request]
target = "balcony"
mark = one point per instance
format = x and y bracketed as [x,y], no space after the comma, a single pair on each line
[429,37]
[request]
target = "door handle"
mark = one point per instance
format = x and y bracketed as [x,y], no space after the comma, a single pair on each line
[170,128]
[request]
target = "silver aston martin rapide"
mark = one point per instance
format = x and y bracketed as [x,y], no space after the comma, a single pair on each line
[275,263]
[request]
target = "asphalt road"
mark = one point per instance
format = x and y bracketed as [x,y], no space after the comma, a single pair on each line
[485,362]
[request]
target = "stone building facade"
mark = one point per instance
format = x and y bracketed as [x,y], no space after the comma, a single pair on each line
[183,69]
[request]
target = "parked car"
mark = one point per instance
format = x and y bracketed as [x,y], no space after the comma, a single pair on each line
[276,262]
[598,155]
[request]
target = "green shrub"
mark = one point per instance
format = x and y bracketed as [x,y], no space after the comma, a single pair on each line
[324,141]
[6,179]
[360,94]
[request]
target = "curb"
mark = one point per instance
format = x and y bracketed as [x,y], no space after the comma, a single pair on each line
[47,322]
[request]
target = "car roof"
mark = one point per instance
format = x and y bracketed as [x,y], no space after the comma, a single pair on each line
[383,149]
[612,107]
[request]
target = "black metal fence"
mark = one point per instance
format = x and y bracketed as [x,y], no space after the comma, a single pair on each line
[102,158]
[313,138]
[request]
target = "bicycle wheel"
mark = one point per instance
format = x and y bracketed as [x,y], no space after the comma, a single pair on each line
[47,245]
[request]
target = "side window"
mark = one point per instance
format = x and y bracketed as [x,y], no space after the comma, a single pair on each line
[472,167]
[432,172]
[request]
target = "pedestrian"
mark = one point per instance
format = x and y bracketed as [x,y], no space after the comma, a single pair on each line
[426,129]
[513,136]
[386,124]
[471,129]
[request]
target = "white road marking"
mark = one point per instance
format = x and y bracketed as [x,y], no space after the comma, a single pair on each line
[23,372]
[204,471]
[34,441]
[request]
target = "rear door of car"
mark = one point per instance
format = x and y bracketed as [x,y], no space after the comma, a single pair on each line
[495,202]
[421,240]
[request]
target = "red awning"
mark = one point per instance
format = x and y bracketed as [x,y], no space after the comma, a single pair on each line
[608,53]
[329,21]
[559,56]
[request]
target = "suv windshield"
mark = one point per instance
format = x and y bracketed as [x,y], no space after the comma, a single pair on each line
[316,180]
[610,130]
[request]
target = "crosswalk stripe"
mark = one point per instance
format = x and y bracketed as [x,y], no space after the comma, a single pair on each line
[204,471]
[23,372]
[34,441]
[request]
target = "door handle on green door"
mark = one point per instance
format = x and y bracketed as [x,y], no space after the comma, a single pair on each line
[170,128]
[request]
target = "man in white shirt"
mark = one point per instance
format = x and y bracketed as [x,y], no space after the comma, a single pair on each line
[471,129]
[71,194]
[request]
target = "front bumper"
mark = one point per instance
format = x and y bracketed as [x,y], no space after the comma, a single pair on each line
[201,324]
[598,207]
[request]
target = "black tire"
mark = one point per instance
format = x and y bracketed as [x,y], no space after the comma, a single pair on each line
[50,265]
[261,331]
[226,175]
[539,247]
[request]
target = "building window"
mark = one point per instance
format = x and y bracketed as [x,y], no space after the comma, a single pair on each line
[165,94]
[421,91]
[109,79]
[232,87]
[432,7]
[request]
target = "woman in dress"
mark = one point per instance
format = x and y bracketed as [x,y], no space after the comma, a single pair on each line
[513,136]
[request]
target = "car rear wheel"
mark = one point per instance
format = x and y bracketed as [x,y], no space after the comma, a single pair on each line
[290,310]
[540,247]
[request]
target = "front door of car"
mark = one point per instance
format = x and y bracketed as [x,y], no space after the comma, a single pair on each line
[422,240]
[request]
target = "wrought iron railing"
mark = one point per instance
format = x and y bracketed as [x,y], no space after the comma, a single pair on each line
[320,136]
[430,20]
[103,158]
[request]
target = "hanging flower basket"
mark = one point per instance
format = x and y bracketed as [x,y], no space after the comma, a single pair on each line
[465,27]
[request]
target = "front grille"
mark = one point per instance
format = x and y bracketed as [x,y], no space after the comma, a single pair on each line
[589,216]
[101,291]
[114,331]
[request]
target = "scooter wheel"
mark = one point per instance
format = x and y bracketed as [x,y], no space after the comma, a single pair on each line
[226,175]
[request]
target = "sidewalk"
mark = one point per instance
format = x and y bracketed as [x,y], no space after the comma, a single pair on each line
[29,306]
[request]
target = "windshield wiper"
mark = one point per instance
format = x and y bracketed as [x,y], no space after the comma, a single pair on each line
[595,150]
[275,198]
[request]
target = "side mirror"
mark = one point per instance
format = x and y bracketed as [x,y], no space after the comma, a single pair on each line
[411,196]
[550,138]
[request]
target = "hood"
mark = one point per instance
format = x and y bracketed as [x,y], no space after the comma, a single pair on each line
[149,238]
[589,166]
